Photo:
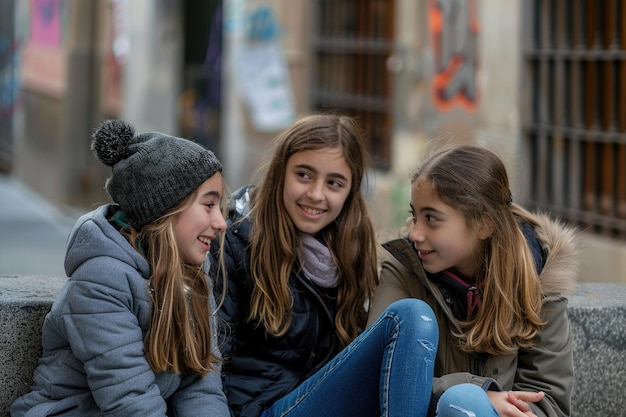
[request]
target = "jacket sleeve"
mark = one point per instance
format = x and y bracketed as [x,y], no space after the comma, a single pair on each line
[549,365]
[201,396]
[105,335]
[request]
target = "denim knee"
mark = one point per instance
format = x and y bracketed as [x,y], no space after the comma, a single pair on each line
[410,309]
[464,400]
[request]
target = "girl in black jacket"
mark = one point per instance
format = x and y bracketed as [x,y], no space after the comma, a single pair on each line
[301,266]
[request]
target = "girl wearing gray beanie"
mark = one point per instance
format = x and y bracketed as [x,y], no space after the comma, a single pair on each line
[132,332]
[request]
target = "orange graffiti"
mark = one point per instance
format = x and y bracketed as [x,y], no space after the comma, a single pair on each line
[454,29]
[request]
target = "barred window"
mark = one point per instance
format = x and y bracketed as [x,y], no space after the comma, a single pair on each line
[351,42]
[574,110]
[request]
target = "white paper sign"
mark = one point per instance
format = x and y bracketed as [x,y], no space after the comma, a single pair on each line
[265,86]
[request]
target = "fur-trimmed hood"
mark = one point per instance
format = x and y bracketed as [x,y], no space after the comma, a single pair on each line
[561,246]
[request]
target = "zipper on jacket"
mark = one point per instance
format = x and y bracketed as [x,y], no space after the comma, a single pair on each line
[329,355]
[312,356]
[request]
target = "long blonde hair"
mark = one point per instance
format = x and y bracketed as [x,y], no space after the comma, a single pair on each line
[179,334]
[474,181]
[350,237]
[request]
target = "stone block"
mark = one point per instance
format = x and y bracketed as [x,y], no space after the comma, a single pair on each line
[24,302]
[597,313]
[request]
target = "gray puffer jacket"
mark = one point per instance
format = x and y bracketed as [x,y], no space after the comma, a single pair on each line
[93,362]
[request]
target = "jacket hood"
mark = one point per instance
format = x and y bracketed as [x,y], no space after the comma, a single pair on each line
[239,210]
[239,203]
[93,236]
[560,244]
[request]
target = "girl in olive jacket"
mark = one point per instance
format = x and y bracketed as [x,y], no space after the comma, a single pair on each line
[496,277]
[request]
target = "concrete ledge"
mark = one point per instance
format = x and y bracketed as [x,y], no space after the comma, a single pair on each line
[597,313]
[598,316]
[24,302]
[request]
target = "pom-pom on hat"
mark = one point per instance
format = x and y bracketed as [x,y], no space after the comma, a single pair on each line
[151,172]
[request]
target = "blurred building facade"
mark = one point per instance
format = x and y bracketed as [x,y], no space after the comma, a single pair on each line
[542,83]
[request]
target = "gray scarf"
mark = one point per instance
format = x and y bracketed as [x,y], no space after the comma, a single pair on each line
[317,263]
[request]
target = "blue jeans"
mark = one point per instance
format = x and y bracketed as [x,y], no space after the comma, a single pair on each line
[465,400]
[387,370]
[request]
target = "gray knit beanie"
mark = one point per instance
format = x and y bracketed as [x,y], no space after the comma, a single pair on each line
[151,172]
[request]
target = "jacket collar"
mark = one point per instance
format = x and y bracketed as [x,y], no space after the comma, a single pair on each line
[402,250]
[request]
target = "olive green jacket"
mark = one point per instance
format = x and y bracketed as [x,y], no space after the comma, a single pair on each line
[547,366]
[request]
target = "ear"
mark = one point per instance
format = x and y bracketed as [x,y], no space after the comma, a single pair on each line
[485,229]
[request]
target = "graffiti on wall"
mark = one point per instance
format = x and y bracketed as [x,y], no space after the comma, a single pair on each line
[9,82]
[454,30]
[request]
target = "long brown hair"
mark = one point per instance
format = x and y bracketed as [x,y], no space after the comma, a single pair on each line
[350,237]
[474,181]
[179,334]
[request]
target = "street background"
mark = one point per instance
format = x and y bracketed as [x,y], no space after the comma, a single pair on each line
[540,83]
[33,232]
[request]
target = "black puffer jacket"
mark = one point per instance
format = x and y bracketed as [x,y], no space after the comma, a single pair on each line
[258,368]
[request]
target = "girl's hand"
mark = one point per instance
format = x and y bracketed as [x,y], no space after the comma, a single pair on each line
[514,403]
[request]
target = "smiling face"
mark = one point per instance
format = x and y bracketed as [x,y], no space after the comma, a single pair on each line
[317,184]
[441,235]
[200,222]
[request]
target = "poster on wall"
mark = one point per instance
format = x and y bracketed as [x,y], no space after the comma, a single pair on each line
[265,85]
[45,27]
[116,47]
[263,75]
[43,63]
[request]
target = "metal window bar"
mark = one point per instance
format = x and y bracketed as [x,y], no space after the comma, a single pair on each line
[575,129]
[351,41]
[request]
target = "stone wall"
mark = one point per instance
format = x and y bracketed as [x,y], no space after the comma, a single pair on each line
[597,313]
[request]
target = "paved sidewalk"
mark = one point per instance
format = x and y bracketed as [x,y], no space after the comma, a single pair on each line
[33,232]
